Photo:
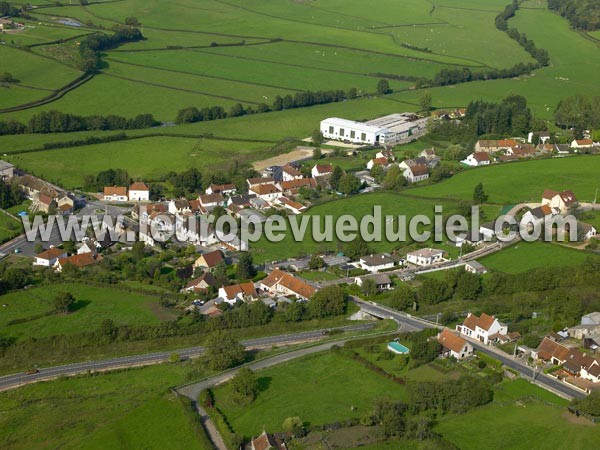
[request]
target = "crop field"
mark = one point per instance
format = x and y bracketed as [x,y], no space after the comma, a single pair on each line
[511,183]
[522,257]
[123,409]
[28,313]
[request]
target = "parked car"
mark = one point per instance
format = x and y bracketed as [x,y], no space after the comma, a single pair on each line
[32,371]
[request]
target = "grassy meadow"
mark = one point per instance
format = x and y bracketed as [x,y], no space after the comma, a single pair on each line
[28,313]
[123,409]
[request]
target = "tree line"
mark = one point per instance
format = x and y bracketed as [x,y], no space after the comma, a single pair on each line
[578,112]
[581,14]
[301,99]
[91,46]
[59,122]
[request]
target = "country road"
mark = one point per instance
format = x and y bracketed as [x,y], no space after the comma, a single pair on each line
[48,373]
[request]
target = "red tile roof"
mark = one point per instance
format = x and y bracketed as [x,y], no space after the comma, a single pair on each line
[115,190]
[138,186]
[290,282]
[212,258]
[51,253]
[451,341]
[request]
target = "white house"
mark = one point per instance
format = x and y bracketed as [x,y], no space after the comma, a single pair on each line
[139,192]
[475,267]
[212,200]
[290,173]
[587,230]
[425,256]
[321,170]
[267,192]
[559,200]
[284,283]
[482,328]
[228,189]
[242,292]
[387,154]
[383,162]
[49,257]
[477,159]
[381,280]
[454,346]
[591,371]
[582,143]
[376,263]
[292,206]
[416,173]
[115,194]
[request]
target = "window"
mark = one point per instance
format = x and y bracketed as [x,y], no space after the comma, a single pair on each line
[330,130]
[352,134]
[342,132]
[363,137]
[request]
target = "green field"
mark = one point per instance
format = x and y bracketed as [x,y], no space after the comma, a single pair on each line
[9,227]
[93,305]
[522,416]
[121,410]
[148,158]
[512,183]
[522,257]
[319,389]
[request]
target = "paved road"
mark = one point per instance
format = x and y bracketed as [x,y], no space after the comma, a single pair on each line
[411,323]
[19,379]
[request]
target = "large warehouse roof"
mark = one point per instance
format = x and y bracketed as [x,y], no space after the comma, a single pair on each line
[353,125]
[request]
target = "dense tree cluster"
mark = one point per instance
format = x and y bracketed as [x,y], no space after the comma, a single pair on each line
[509,117]
[93,44]
[581,14]
[449,396]
[6,9]
[580,113]
[110,177]
[59,122]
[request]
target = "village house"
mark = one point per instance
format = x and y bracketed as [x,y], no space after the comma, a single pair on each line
[573,361]
[521,151]
[290,173]
[477,159]
[200,284]
[115,194]
[381,280]
[483,328]
[279,282]
[493,146]
[209,260]
[560,201]
[227,189]
[475,267]
[321,170]
[139,192]
[49,257]
[416,173]
[375,263]
[7,171]
[586,230]
[387,154]
[78,260]
[267,442]
[536,216]
[582,143]
[243,292]
[425,256]
[383,162]
[292,187]
[211,201]
[180,206]
[292,206]
[259,180]
[267,192]
[453,346]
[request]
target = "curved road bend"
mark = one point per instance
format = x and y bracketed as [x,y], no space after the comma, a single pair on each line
[48,373]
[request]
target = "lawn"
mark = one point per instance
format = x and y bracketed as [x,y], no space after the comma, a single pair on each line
[522,257]
[93,305]
[126,409]
[319,389]
[9,227]
[512,183]
[521,416]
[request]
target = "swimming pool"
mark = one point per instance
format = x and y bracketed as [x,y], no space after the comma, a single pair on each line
[398,348]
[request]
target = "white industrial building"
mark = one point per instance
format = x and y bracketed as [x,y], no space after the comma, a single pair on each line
[387,130]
